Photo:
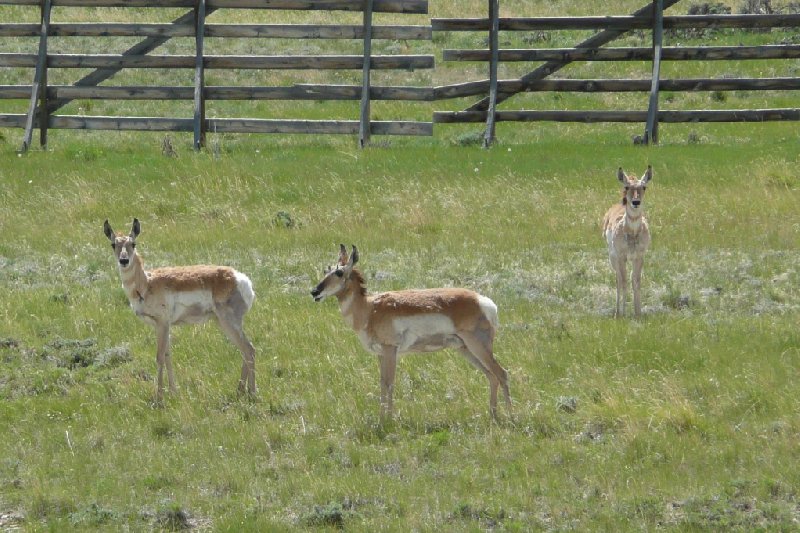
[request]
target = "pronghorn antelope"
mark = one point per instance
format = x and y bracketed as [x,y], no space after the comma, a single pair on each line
[185,295]
[393,323]
[628,236]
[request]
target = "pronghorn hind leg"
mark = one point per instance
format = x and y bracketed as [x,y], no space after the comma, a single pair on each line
[230,323]
[388,361]
[493,381]
[481,350]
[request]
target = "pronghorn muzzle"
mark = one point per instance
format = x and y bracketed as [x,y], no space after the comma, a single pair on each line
[316,294]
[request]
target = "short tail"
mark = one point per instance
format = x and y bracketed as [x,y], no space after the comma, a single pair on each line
[489,309]
[245,287]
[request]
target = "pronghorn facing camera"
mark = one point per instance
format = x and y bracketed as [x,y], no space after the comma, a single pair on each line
[391,324]
[185,295]
[628,236]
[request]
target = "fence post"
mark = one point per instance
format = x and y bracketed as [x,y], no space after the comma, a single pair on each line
[651,128]
[199,76]
[494,46]
[39,85]
[364,124]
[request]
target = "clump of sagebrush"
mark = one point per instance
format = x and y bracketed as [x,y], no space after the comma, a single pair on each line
[173,518]
[80,353]
[332,514]
[472,138]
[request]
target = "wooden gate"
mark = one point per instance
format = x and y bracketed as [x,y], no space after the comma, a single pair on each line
[650,17]
[45,100]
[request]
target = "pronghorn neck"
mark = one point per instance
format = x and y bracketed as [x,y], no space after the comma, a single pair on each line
[632,220]
[134,279]
[353,301]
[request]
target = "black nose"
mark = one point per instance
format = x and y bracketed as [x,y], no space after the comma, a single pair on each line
[124,262]
[315,292]
[636,203]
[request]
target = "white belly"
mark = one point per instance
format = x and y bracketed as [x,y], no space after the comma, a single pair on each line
[192,307]
[425,333]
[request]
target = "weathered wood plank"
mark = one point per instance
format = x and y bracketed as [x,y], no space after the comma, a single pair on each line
[39,85]
[98,61]
[672,53]
[726,115]
[481,87]
[651,126]
[12,120]
[105,123]
[199,76]
[625,22]
[294,92]
[271,31]
[494,47]
[364,107]
[381,6]
[229,125]
[348,127]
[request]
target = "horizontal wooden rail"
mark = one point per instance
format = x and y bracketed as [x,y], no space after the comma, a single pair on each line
[272,31]
[294,92]
[481,87]
[380,6]
[223,125]
[630,22]
[674,53]
[727,115]
[401,93]
[220,62]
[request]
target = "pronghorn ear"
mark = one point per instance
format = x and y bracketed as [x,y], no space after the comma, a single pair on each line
[648,175]
[342,255]
[354,255]
[108,231]
[621,176]
[136,228]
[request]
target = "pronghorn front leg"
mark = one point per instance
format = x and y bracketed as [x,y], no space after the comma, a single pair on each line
[622,286]
[638,262]
[388,359]
[163,358]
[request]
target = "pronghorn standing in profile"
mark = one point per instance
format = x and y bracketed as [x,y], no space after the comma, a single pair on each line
[628,236]
[393,323]
[185,295]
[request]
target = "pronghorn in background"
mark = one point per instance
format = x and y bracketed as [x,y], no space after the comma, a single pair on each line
[628,236]
[391,324]
[185,295]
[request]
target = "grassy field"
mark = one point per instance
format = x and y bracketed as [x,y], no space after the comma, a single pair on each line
[687,420]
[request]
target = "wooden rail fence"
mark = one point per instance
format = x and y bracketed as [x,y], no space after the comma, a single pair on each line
[649,17]
[46,99]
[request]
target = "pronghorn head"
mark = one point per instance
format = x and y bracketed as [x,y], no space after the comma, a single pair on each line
[124,245]
[336,276]
[633,195]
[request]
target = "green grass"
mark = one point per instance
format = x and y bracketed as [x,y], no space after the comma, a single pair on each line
[686,420]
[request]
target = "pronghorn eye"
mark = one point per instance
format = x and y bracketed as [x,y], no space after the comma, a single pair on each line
[339,273]
[133,245]
[113,245]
